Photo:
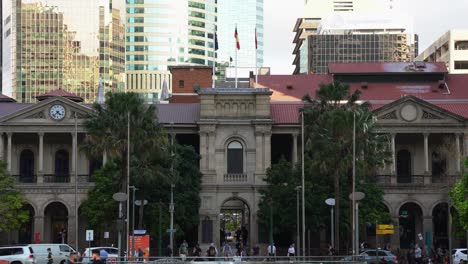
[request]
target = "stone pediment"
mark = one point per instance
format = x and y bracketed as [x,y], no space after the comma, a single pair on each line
[40,113]
[411,110]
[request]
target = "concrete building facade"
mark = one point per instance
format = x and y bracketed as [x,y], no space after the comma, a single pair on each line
[451,48]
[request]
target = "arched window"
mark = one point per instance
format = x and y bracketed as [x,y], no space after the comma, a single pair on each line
[235,158]
[61,166]
[403,166]
[26,166]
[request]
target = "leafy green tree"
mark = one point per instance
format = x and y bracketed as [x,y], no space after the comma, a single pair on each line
[459,196]
[12,213]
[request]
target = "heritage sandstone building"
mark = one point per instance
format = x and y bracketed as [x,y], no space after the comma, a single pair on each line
[239,133]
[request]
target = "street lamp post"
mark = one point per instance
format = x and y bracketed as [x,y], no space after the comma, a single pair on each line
[331,203]
[271,227]
[356,197]
[171,211]
[303,185]
[120,197]
[133,219]
[298,223]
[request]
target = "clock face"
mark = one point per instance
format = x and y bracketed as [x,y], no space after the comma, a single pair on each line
[57,112]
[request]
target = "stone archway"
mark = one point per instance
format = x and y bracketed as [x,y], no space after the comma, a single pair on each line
[410,223]
[56,223]
[440,224]
[234,217]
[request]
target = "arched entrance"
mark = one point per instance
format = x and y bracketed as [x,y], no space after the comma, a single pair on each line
[410,224]
[403,166]
[235,222]
[26,231]
[56,223]
[440,224]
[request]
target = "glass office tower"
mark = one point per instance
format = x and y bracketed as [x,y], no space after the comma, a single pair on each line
[162,33]
[247,15]
[62,44]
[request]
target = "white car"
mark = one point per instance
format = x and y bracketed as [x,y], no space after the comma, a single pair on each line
[112,254]
[459,254]
[60,252]
[17,254]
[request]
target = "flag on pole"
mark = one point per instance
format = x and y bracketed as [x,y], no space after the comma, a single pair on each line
[230,59]
[236,36]
[256,42]
[216,47]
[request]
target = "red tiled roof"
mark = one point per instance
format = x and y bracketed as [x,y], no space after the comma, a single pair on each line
[178,113]
[6,99]
[59,93]
[390,67]
[285,113]
[292,87]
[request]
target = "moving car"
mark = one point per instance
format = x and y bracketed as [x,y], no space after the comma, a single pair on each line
[112,254]
[371,255]
[60,252]
[18,254]
[459,254]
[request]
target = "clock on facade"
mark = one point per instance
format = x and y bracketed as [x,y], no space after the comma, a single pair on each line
[57,112]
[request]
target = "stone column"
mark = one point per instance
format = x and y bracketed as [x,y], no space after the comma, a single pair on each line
[393,177]
[39,226]
[457,153]
[74,157]
[40,171]
[428,227]
[258,152]
[71,230]
[294,148]
[211,149]
[395,238]
[465,144]
[9,134]
[2,154]
[267,150]
[426,153]
[203,151]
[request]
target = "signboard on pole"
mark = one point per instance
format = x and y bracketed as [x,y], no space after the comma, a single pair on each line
[142,242]
[384,230]
[106,234]
[89,235]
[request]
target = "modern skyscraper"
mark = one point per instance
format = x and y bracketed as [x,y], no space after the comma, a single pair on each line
[316,10]
[247,15]
[61,44]
[162,33]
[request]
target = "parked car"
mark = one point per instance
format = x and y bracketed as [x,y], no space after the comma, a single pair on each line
[370,256]
[112,254]
[459,254]
[19,254]
[60,252]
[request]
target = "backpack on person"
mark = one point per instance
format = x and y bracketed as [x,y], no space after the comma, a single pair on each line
[212,251]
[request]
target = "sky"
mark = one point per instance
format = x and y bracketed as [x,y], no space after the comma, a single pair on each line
[432,18]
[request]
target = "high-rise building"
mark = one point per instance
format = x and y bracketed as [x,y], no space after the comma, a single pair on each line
[317,10]
[247,15]
[451,48]
[61,44]
[163,33]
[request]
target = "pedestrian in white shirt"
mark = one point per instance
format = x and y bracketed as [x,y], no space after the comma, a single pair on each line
[291,251]
[271,249]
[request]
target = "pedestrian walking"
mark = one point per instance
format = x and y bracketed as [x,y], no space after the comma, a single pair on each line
[104,255]
[72,258]
[96,257]
[271,250]
[141,254]
[227,251]
[50,259]
[183,250]
[196,252]
[211,253]
[291,250]
[418,254]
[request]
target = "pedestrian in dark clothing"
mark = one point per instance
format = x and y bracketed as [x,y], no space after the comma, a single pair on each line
[141,254]
[72,258]
[96,257]
[411,256]
[197,251]
[168,251]
[50,259]
[245,235]
[256,250]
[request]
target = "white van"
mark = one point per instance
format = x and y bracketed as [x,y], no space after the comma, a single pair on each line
[60,252]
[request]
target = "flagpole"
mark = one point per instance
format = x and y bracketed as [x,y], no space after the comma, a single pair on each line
[236,53]
[256,65]
[213,84]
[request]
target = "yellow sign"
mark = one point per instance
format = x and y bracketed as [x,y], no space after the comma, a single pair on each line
[385,232]
[385,227]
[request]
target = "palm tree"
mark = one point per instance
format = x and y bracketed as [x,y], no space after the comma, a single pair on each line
[329,137]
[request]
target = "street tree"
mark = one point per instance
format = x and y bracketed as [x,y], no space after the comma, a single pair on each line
[459,195]
[12,213]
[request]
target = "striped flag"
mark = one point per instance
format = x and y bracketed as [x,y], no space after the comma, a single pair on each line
[256,42]
[236,36]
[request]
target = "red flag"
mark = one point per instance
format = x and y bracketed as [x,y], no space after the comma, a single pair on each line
[236,36]
[256,42]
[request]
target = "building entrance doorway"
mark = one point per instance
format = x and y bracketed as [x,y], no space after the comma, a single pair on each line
[235,223]
[410,224]
[440,224]
[56,223]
